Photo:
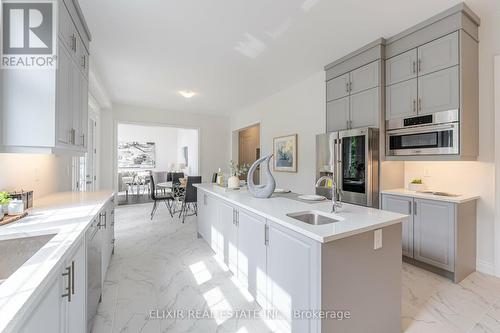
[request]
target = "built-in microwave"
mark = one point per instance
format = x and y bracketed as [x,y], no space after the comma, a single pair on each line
[432,134]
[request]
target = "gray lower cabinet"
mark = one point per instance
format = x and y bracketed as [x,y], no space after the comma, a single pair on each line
[337,88]
[337,114]
[401,67]
[437,234]
[438,91]
[364,108]
[401,99]
[402,205]
[434,233]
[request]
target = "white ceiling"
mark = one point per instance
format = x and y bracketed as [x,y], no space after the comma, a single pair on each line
[231,52]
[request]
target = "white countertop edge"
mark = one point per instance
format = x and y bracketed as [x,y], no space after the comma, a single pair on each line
[17,305]
[462,198]
[303,231]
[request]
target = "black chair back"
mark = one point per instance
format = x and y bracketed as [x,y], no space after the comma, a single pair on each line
[191,194]
[176,176]
[214,177]
[169,176]
[152,185]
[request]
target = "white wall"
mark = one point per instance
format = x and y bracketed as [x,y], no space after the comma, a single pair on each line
[296,110]
[165,139]
[213,131]
[44,174]
[301,109]
[188,138]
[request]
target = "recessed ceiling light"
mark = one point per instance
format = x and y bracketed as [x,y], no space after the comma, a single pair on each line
[187,93]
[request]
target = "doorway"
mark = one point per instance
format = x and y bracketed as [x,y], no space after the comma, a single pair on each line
[249,148]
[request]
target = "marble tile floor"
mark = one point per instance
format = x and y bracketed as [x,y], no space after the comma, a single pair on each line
[161,265]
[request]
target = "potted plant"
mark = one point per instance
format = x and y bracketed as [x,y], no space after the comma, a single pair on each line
[4,202]
[416,185]
[236,172]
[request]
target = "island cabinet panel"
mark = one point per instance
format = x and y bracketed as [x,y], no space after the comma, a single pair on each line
[435,233]
[252,255]
[291,267]
[47,314]
[402,205]
[201,221]
[213,223]
[229,235]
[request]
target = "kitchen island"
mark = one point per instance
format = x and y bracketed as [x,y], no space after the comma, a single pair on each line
[342,276]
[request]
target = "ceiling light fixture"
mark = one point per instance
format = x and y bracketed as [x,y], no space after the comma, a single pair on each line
[187,93]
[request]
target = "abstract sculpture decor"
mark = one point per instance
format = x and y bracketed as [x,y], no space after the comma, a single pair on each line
[265,190]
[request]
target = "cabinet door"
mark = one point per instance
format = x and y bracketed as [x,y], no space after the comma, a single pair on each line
[76,103]
[434,228]
[364,108]
[438,54]
[438,91]
[289,286]
[48,314]
[365,77]
[337,87]
[252,255]
[401,67]
[401,99]
[200,218]
[215,234]
[337,114]
[227,221]
[76,308]
[402,205]
[63,96]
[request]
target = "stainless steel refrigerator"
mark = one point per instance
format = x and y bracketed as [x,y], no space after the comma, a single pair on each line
[351,158]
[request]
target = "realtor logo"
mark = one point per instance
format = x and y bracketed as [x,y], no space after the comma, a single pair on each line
[28,38]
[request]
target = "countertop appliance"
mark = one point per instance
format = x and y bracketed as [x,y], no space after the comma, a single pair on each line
[94,282]
[351,158]
[431,134]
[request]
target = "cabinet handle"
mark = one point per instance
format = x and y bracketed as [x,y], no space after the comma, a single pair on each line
[350,86]
[73,277]
[419,65]
[347,87]
[266,235]
[415,208]
[68,288]
[414,67]
[419,104]
[84,61]
[204,199]
[414,106]
[409,207]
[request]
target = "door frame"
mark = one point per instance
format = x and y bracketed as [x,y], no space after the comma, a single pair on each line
[235,142]
[146,123]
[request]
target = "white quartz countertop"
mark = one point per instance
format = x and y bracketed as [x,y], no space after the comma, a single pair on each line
[352,219]
[460,198]
[66,215]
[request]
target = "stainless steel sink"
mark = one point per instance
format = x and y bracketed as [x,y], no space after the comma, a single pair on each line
[442,194]
[312,217]
[16,251]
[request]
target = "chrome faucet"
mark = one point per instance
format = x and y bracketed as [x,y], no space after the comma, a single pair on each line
[336,193]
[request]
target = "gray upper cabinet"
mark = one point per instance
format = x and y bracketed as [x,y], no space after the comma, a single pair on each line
[438,54]
[337,114]
[402,205]
[438,91]
[401,99]
[365,108]
[364,78]
[354,88]
[434,228]
[337,87]
[401,68]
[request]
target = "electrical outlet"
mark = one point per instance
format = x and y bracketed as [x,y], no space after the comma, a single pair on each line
[377,239]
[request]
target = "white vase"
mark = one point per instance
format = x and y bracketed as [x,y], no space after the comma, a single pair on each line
[416,187]
[233,182]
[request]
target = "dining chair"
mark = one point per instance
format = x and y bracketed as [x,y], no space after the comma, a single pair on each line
[167,198]
[160,177]
[190,198]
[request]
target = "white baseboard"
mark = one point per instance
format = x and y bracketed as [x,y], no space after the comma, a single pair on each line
[485,267]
